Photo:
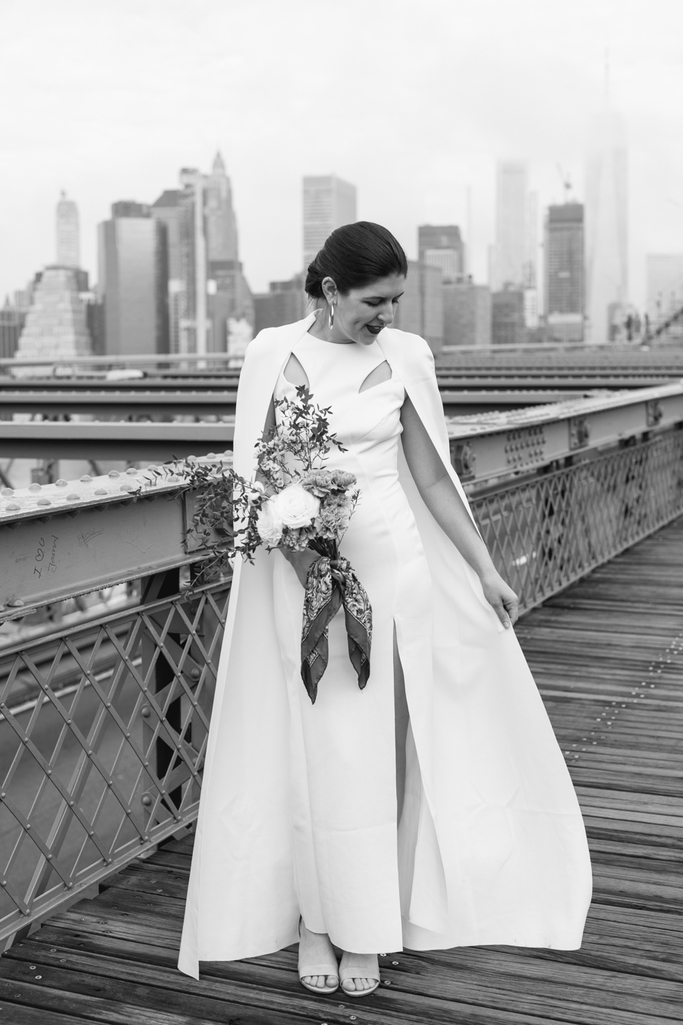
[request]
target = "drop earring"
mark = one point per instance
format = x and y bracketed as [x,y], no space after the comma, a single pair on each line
[331,316]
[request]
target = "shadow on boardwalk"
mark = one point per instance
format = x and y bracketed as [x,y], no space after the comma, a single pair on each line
[608,657]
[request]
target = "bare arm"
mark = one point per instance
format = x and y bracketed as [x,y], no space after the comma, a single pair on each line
[446,506]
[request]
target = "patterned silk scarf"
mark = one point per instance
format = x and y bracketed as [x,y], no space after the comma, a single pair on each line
[331,583]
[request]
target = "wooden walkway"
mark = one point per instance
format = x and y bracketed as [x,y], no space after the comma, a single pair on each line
[608,657]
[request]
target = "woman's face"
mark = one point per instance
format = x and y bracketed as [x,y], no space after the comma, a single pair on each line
[364,312]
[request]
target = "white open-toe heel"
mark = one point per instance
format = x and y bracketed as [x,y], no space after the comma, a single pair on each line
[358,966]
[306,968]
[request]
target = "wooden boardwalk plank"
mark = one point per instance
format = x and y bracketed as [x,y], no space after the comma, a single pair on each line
[608,657]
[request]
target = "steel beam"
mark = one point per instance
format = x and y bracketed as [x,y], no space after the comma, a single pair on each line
[134,442]
[491,445]
[70,537]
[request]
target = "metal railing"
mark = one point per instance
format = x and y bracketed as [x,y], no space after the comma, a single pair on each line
[103,725]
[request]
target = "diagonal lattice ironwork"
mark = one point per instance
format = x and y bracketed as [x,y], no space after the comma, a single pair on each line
[550,530]
[102,737]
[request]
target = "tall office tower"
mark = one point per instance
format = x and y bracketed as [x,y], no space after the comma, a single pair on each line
[564,272]
[133,276]
[467,314]
[56,322]
[283,303]
[68,235]
[329,202]
[606,240]
[221,225]
[230,308]
[442,246]
[510,255]
[664,288]
[170,210]
[420,310]
[209,300]
[11,324]
[508,326]
[530,241]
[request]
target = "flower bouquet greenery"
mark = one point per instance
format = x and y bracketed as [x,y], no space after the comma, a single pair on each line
[294,503]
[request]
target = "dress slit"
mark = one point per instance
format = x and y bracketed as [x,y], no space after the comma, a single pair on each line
[401,727]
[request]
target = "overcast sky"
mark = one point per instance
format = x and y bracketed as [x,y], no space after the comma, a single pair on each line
[412,100]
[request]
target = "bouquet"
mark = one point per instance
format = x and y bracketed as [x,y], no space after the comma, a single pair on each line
[295,503]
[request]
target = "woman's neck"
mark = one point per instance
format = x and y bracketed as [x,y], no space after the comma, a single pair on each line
[321,329]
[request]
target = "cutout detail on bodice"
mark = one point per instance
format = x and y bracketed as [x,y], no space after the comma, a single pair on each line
[295,373]
[377,376]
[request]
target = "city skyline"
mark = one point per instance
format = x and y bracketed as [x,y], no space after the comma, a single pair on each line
[472,86]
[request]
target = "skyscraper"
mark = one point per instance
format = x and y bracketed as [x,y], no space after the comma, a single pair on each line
[68,236]
[467,314]
[508,317]
[56,322]
[133,276]
[606,240]
[170,210]
[221,225]
[510,253]
[420,310]
[283,303]
[208,295]
[329,202]
[442,246]
[564,267]
[11,324]
[230,305]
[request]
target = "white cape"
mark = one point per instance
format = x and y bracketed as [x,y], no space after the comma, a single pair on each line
[500,842]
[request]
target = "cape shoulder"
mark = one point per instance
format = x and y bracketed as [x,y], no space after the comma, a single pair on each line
[408,355]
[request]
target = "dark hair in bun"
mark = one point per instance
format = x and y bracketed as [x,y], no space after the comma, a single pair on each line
[354,256]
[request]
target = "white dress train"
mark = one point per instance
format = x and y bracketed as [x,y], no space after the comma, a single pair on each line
[299,809]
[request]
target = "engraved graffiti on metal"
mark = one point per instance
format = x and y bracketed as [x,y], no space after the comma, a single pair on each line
[63,539]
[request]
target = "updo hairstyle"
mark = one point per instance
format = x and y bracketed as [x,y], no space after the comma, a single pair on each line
[354,256]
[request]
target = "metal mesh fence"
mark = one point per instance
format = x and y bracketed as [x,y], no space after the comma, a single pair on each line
[102,737]
[103,726]
[556,527]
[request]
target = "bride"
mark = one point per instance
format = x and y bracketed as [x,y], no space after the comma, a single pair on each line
[432,809]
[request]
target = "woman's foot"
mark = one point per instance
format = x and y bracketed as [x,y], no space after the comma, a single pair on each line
[359,974]
[318,969]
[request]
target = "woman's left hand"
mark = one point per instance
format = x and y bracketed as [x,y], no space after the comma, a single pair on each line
[500,597]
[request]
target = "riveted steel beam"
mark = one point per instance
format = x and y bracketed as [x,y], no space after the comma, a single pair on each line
[63,539]
[491,445]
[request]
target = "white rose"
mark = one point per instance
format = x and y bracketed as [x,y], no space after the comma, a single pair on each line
[296,507]
[269,524]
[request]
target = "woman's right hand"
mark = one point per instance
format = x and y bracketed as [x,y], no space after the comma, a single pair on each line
[301,562]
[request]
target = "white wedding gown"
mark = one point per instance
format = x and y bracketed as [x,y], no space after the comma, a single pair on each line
[299,805]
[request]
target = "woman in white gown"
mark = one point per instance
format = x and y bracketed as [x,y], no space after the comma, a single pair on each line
[433,808]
